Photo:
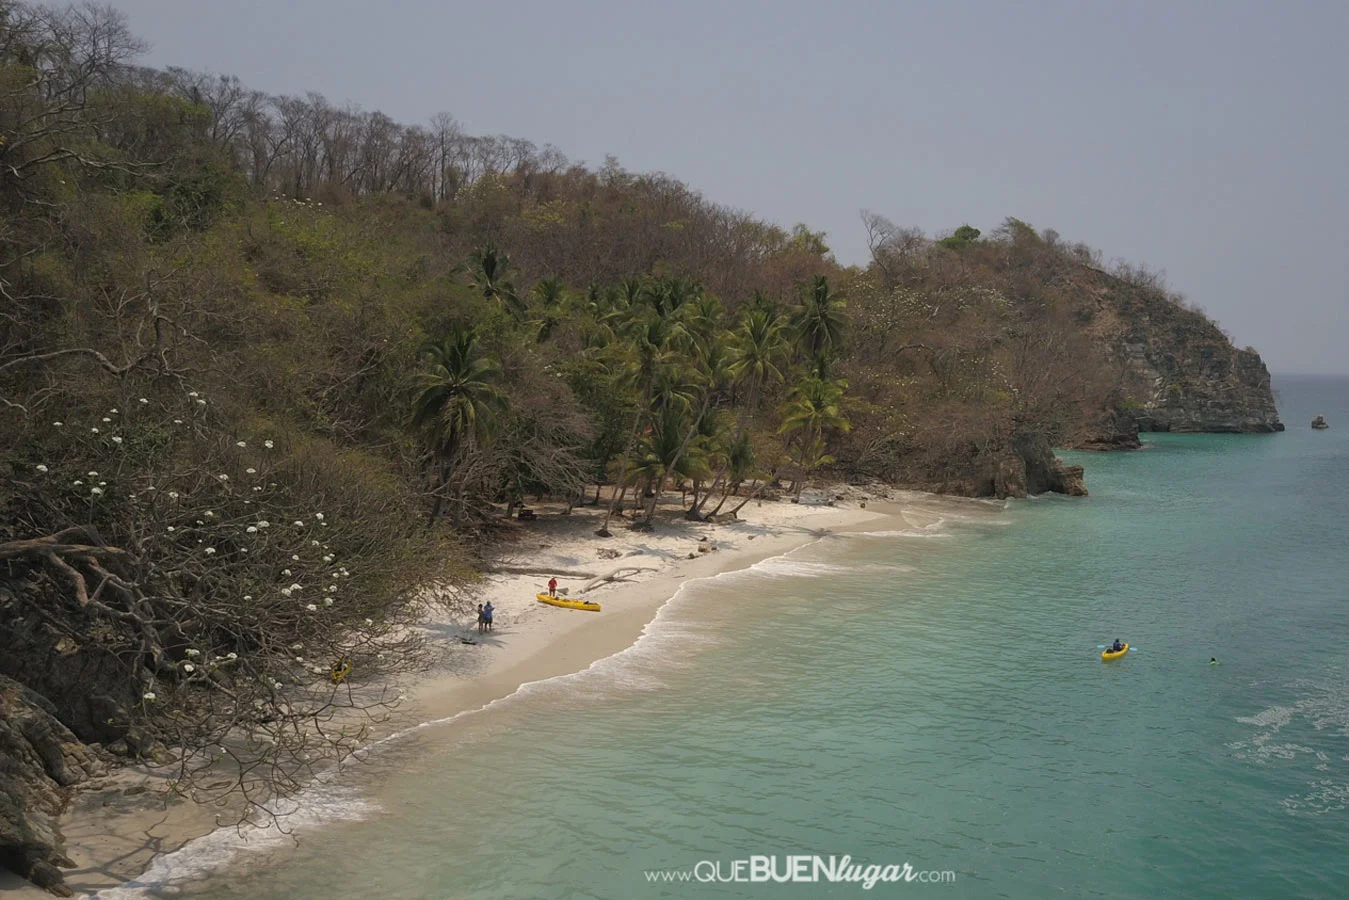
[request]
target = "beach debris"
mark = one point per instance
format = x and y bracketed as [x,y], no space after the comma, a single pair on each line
[622,573]
[608,553]
[530,570]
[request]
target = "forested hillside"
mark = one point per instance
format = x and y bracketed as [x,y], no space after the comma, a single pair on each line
[271,369]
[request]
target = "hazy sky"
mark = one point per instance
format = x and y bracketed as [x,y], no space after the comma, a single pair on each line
[1207,139]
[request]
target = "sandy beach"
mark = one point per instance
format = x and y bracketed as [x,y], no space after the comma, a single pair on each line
[118,826]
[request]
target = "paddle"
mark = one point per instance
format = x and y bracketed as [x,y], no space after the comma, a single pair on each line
[1132,648]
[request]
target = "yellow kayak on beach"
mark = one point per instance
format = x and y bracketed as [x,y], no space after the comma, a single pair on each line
[563,602]
[1108,655]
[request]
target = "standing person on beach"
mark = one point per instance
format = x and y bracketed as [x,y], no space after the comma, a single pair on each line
[487,616]
[481,620]
[552,587]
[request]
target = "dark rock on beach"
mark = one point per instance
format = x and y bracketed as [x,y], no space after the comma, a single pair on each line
[40,760]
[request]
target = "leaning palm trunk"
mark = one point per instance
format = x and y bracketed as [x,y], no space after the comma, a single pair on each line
[806,443]
[695,512]
[725,495]
[623,466]
[657,487]
[755,491]
[679,454]
[741,424]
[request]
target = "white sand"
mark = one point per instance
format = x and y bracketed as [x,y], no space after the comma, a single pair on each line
[531,641]
[113,835]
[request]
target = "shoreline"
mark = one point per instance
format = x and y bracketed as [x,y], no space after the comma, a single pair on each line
[118,831]
[539,642]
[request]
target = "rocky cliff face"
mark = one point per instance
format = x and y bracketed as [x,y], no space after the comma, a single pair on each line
[40,759]
[1028,467]
[1179,372]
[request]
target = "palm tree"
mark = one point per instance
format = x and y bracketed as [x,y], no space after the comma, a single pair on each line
[647,352]
[740,465]
[760,351]
[458,404]
[758,355]
[664,451]
[703,316]
[549,291]
[668,295]
[713,372]
[550,295]
[813,408]
[489,274]
[820,320]
[598,326]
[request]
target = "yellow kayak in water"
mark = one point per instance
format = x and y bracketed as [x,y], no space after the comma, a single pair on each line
[568,604]
[1108,654]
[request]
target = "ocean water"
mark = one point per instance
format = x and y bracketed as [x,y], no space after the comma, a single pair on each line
[931,696]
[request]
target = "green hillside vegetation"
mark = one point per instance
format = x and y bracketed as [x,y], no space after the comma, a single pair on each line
[271,369]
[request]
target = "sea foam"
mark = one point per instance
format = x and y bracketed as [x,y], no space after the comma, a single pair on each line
[664,641]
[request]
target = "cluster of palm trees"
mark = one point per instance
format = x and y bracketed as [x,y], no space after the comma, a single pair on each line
[710,401]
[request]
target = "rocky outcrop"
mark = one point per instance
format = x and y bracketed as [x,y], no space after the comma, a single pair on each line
[85,682]
[1030,467]
[1115,430]
[40,759]
[1179,371]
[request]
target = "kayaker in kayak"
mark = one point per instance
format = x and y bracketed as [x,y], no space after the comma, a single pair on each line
[1117,647]
[552,587]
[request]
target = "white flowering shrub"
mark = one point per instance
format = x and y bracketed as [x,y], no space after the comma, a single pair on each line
[228,588]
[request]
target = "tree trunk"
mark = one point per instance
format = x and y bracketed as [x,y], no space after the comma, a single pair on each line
[440,495]
[688,438]
[697,511]
[659,488]
[627,453]
[730,489]
[754,492]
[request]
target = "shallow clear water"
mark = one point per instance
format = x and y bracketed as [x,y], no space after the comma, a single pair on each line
[935,698]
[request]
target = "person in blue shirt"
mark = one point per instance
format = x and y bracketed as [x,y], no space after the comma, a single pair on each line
[487,615]
[1114,649]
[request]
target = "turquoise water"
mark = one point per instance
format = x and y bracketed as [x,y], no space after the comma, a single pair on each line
[935,698]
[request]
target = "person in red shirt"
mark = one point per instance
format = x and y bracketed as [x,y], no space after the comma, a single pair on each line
[552,587]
